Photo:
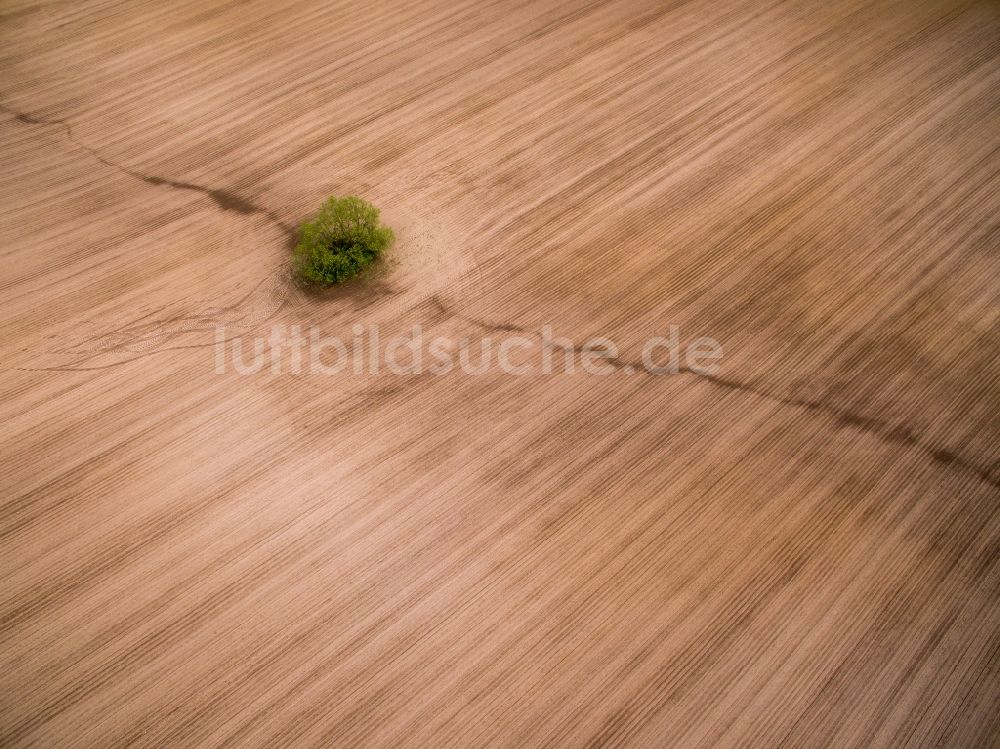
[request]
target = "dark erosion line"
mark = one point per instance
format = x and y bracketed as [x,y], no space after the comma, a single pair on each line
[900,435]
[226,200]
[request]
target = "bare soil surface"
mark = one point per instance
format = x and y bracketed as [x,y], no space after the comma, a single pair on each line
[798,548]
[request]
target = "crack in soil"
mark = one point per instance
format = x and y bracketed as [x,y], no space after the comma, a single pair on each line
[900,435]
[226,200]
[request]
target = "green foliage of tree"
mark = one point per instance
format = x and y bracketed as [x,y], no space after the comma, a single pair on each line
[345,238]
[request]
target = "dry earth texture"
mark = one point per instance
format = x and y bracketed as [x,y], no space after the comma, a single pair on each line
[801,549]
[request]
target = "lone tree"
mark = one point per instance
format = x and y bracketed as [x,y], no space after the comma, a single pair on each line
[345,238]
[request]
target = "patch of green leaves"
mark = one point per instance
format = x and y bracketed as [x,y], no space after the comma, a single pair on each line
[344,239]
